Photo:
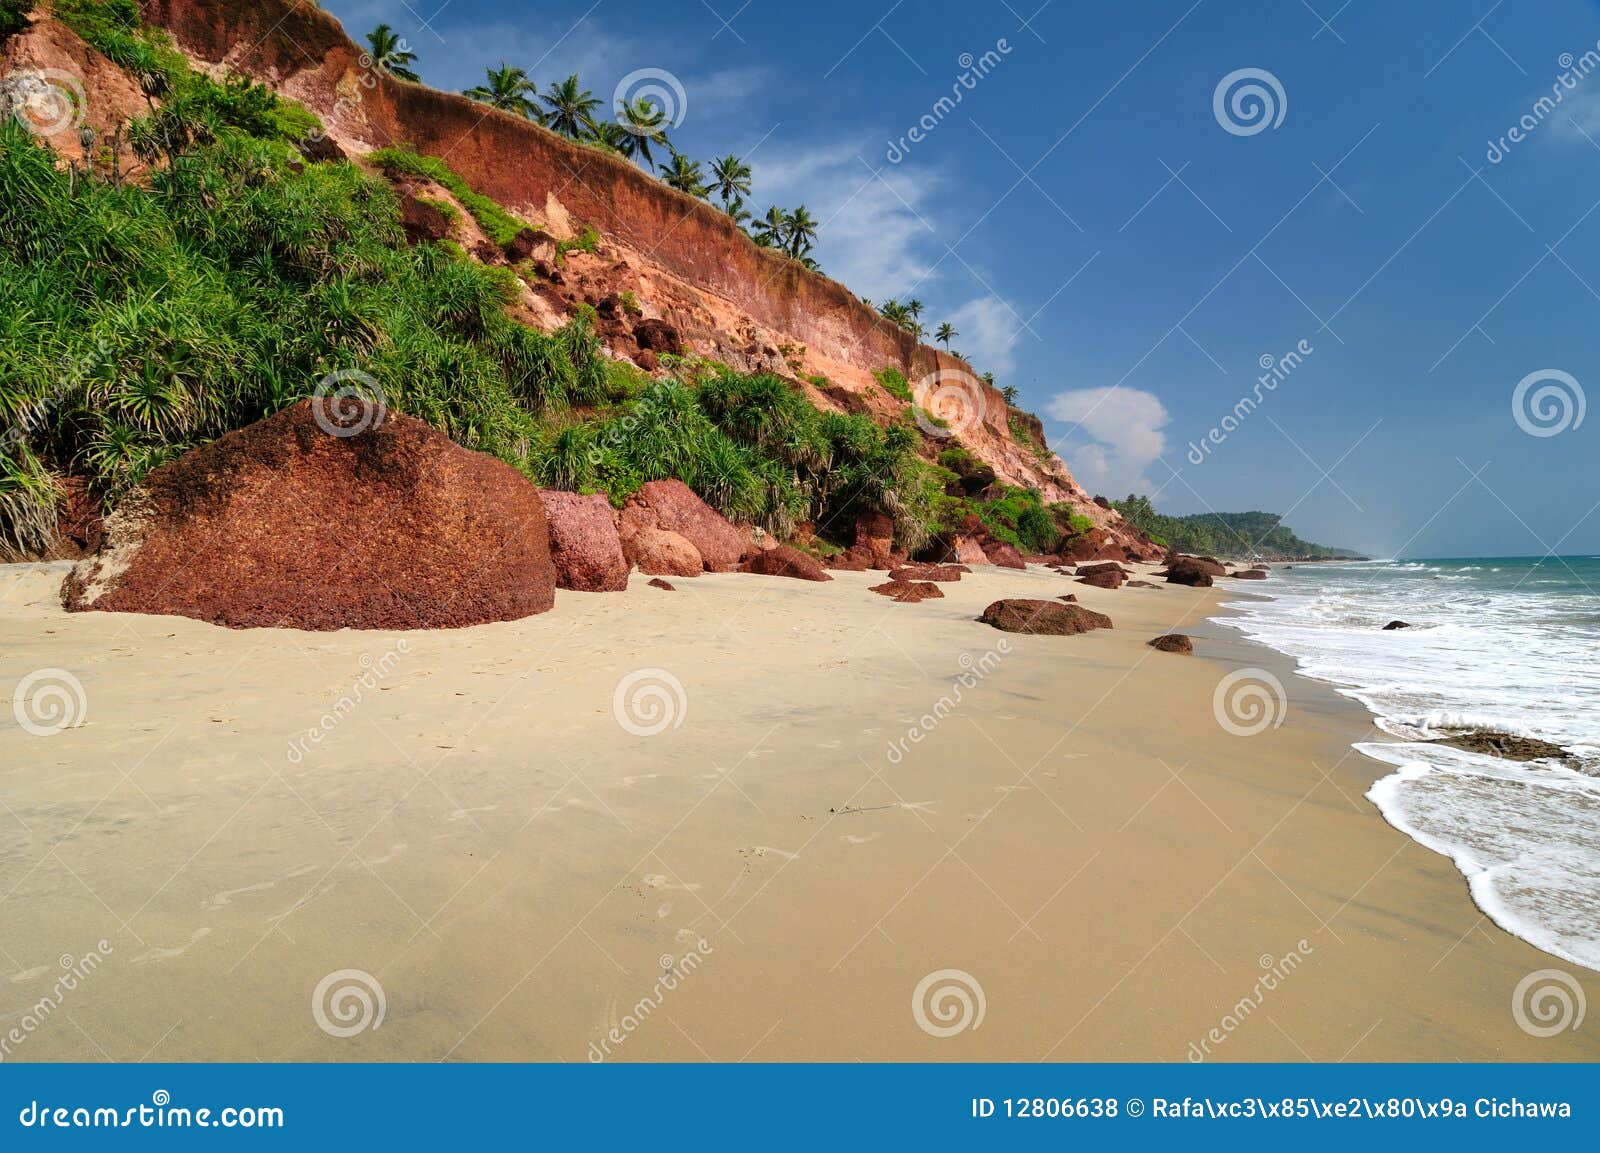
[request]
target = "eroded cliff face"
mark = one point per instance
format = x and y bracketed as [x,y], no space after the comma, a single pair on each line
[683,259]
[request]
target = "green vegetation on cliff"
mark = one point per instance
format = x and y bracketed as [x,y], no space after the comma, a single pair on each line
[1232,534]
[139,319]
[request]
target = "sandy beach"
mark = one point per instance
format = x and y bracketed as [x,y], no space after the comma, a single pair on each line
[516,853]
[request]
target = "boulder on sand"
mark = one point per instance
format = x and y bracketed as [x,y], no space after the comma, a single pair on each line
[1107,577]
[658,583]
[874,541]
[908,591]
[1393,625]
[658,552]
[330,514]
[1172,643]
[1249,574]
[784,561]
[672,506]
[928,572]
[1045,618]
[584,543]
[1186,571]
[1107,566]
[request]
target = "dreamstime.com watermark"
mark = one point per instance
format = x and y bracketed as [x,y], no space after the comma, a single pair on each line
[973,69]
[659,92]
[49,701]
[1548,402]
[1574,69]
[37,1015]
[347,1002]
[1249,701]
[31,415]
[948,402]
[350,98]
[674,971]
[352,402]
[1276,370]
[159,1114]
[1249,100]
[375,671]
[45,101]
[1547,1002]
[972,674]
[648,702]
[1277,970]
[947,1002]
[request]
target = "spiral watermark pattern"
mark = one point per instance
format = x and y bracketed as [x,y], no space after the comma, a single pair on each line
[46,101]
[347,1002]
[661,92]
[1548,402]
[1249,701]
[1547,1002]
[947,1002]
[648,702]
[948,402]
[347,402]
[48,701]
[1248,101]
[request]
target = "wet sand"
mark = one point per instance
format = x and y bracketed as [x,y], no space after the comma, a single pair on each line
[464,819]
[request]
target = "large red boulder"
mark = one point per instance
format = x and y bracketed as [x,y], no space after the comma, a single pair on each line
[1110,577]
[1049,618]
[928,572]
[874,543]
[658,552]
[908,592]
[1193,571]
[330,514]
[1000,553]
[784,561]
[672,506]
[584,543]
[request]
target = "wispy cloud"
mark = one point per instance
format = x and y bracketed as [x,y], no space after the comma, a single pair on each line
[988,330]
[1124,427]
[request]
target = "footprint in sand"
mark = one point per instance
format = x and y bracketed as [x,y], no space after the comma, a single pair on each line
[830,744]
[853,839]
[226,898]
[665,883]
[167,954]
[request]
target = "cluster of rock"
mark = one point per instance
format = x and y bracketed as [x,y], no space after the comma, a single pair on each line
[334,514]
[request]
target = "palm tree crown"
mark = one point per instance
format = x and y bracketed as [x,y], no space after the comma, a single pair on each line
[392,54]
[947,332]
[685,175]
[730,178]
[645,123]
[510,90]
[800,229]
[571,107]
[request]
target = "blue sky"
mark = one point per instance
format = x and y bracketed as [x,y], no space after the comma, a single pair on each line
[1105,243]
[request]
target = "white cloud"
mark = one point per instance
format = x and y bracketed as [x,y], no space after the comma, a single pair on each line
[876,234]
[988,329]
[1125,430]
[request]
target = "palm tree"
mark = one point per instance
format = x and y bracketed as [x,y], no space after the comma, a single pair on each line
[799,229]
[1009,392]
[895,313]
[685,175]
[510,90]
[610,135]
[392,54]
[914,307]
[770,228]
[730,178]
[571,107]
[947,332]
[645,122]
[736,210]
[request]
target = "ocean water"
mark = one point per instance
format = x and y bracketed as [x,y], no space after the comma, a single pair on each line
[1511,644]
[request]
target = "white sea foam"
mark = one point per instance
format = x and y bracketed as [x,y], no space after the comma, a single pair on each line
[1503,645]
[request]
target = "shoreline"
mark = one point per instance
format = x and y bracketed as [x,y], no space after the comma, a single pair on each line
[481,836]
